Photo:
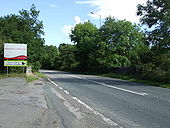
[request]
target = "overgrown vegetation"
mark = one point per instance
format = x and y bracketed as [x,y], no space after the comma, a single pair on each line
[133,78]
[28,78]
[31,78]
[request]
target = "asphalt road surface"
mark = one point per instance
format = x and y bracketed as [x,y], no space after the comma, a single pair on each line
[128,104]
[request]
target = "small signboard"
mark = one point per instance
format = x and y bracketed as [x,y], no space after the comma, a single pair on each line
[13,63]
[15,51]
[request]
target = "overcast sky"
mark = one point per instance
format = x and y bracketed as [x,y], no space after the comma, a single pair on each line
[59,16]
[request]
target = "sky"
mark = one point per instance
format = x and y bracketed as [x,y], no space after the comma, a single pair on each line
[60,16]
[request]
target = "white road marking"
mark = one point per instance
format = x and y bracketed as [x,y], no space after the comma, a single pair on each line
[122,89]
[71,108]
[75,76]
[52,82]
[110,86]
[107,120]
[67,104]
[60,88]
[66,92]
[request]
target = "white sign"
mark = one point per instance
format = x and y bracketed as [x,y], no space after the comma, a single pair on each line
[15,63]
[15,51]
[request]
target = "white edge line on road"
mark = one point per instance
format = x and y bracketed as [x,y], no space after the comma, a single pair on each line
[66,92]
[122,89]
[52,82]
[107,120]
[110,86]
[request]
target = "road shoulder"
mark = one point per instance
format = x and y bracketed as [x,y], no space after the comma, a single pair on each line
[24,105]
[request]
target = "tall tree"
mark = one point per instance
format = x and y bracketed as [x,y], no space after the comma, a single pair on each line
[50,56]
[33,30]
[24,28]
[85,38]
[156,15]
[123,40]
[66,60]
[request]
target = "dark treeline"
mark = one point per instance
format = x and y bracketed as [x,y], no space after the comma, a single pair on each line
[117,44]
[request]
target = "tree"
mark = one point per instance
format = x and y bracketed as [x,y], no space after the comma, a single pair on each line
[50,56]
[66,60]
[85,38]
[123,42]
[156,15]
[24,28]
[33,30]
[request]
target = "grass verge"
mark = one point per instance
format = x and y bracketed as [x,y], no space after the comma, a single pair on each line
[11,75]
[135,79]
[34,76]
[29,78]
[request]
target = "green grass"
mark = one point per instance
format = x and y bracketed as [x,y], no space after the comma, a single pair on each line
[34,76]
[29,78]
[40,75]
[135,79]
[11,75]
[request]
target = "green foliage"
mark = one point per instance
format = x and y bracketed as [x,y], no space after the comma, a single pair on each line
[151,72]
[124,42]
[158,69]
[117,43]
[85,36]
[66,60]
[24,28]
[50,57]
[31,78]
[156,15]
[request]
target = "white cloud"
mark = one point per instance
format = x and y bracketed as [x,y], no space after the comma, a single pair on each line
[67,28]
[120,9]
[77,19]
[53,6]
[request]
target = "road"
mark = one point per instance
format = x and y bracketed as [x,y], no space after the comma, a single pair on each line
[129,104]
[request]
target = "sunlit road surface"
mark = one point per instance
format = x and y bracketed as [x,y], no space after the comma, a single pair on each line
[129,104]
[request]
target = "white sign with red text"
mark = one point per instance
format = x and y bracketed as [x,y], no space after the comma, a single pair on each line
[15,51]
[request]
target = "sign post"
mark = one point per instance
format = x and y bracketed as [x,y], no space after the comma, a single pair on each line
[15,55]
[7,71]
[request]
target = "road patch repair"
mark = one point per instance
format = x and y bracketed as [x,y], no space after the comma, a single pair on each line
[44,104]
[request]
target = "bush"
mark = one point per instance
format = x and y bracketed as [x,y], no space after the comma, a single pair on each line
[167,77]
[36,66]
[153,73]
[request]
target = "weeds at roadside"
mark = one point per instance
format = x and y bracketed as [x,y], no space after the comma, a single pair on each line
[28,78]
[135,79]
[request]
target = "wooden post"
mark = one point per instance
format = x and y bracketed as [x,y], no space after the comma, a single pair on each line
[7,71]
